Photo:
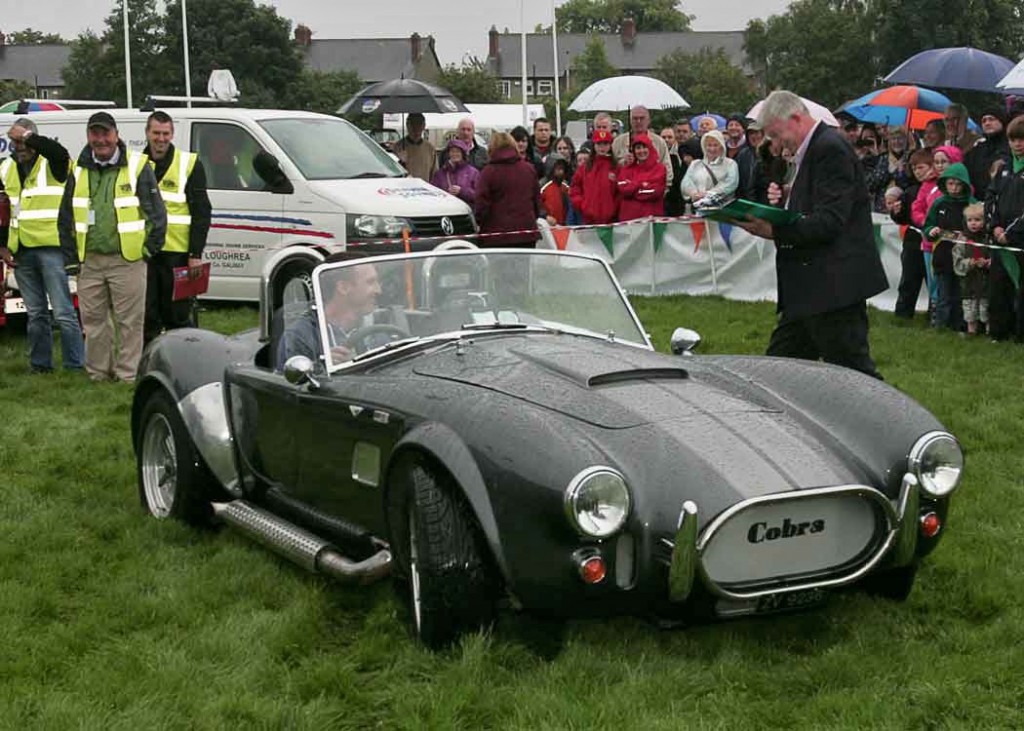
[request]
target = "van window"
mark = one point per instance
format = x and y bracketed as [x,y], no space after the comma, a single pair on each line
[227,152]
[331,149]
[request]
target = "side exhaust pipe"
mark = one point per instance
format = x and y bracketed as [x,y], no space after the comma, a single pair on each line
[300,546]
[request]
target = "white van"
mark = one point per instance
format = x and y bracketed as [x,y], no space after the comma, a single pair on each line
[295,186]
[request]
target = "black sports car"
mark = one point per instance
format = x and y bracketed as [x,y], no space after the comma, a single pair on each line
[493,428]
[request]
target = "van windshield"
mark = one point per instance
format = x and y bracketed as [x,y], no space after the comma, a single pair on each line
[331,149]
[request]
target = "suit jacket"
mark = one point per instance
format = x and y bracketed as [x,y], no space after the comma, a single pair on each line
[827,260]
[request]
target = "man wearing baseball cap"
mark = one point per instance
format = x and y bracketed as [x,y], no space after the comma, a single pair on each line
[112,219]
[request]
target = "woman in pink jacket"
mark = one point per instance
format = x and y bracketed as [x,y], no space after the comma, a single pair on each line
[942,157]
[641,185]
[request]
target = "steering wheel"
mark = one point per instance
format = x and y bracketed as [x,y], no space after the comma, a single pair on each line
[357,340]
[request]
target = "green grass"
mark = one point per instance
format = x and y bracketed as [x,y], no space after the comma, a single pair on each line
[112,620]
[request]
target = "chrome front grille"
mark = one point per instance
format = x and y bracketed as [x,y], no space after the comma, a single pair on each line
[434,226]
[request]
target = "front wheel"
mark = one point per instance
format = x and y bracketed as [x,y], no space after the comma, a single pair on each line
[440,554]
[894,584]
[173,481]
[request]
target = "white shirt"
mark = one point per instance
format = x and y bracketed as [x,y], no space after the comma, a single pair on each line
[798,159]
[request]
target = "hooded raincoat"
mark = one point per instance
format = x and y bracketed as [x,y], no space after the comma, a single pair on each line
[720,176]
[461,174]
[641,186]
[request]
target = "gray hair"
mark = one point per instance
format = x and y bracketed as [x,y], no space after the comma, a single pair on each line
[602,115]
[781,105]
[26,124]
[958,109]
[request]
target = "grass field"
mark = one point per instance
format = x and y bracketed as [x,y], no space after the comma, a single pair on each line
[112,620]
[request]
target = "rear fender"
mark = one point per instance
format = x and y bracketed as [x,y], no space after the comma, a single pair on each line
[444,445]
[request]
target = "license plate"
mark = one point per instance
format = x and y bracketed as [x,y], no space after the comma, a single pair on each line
[771,603]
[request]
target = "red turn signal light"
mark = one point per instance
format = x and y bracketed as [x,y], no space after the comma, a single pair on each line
[593,570]
[931,524]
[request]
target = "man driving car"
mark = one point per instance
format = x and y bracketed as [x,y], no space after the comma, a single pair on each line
[350,293]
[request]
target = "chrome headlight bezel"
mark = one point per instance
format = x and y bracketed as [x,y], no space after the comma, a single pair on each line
[922,457]
[577,491]
[369,226]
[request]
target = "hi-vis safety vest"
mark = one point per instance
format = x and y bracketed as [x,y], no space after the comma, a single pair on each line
[172,190]
[34,206]
[131,226]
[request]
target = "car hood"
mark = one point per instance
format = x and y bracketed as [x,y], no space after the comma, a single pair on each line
[389,197]
[605,384]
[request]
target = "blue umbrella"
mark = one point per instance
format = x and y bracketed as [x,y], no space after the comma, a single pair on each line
[719,119]
[953,68]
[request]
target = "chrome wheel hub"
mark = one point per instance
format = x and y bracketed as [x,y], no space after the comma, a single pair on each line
[159,466]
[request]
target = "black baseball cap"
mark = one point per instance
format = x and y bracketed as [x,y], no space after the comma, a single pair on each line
[102,119]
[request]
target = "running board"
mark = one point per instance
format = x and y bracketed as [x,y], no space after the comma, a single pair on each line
[300,546]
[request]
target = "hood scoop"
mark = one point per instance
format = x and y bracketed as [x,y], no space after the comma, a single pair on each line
[637,374]
[600,371]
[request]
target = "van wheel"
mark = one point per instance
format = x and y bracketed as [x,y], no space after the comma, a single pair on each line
[294,283]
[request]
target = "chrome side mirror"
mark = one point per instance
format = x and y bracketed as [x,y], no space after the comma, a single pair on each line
[299,370]
[684,341]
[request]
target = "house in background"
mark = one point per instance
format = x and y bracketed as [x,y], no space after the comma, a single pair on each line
[629,51]
[35,64]
[373,59]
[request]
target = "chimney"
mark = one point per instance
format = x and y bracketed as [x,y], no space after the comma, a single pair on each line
[492,42]
[303,35]
[3,40]
[628,31]
[414,46]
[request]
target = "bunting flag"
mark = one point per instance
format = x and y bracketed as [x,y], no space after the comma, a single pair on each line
[697,229]
[659,234]
[879,241]
[607,235]
[561,235]
[903,231]
[1011,265]
[726,230]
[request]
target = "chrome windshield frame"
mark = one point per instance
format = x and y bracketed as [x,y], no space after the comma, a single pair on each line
[384,351]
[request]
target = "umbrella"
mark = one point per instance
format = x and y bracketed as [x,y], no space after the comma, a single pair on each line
[402,96]
[953,68]
[719,120]
[911,106]
[817,111]
[20,107]
[1013,82]
[619,93]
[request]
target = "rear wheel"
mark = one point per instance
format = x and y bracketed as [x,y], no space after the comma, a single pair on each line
[173,481]
[895,584]
[293,285]
[440,556]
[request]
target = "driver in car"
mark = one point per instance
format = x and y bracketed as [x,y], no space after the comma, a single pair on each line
[348,299]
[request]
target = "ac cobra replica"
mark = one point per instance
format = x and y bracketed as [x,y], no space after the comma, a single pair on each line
[494,429]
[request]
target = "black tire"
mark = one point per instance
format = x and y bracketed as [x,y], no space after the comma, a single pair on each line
[293,285]
[893,584]
[439,551]
[173,480]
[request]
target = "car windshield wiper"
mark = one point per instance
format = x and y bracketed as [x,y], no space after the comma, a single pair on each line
[495,326]
[368,174]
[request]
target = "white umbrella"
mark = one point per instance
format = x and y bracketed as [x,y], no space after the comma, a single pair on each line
[817,111]
[1013,82]
[619,93]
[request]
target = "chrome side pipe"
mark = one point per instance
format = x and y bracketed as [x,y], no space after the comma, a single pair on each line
[300,546]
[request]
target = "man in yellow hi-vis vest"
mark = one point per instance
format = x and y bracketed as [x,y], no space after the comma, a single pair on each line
[111,220]
[33,178]
[182,183]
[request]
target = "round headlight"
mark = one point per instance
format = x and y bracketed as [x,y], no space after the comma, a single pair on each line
[937,461]
[597,501]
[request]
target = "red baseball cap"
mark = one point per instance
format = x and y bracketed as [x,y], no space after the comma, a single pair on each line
[602,135]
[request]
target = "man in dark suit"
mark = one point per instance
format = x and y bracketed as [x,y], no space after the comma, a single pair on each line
[826,262]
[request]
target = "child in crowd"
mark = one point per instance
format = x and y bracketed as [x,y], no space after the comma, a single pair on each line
[927,193]
[945,219]
[554,191]
[594,186]
[971,264]
[913,272]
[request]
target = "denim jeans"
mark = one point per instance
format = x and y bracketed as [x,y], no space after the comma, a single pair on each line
[40,273]
[947,305]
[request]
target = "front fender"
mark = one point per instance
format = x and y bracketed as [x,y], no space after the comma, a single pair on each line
[447,447]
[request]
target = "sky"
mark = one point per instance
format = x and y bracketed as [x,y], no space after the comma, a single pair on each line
[459,27]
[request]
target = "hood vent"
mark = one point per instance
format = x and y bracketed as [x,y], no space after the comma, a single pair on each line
[636,374]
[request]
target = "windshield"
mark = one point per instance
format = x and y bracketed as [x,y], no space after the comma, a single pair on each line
[383,302]
[330,149]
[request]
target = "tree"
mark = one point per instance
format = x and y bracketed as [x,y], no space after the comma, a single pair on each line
[592,65]
[14,89]
[707,80]
[905,27]
[324,91]
[606,16]
[30,37]
[471,82]
[820,49]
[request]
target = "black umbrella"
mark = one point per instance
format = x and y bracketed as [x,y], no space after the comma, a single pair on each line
[402,96]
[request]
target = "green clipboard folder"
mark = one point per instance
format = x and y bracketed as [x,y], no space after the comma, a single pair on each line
[738,209]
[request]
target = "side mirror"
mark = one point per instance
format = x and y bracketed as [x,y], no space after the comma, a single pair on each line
[684,341]
[299,370]
[269,169]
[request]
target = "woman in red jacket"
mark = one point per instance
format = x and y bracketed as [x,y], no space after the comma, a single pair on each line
[642,184]
[507,196]
[594,186]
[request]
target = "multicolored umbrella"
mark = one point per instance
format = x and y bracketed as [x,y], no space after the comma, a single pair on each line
[19,107]
[910,106]
[953,68]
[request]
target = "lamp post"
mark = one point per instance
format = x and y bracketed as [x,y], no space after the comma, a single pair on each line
[188,72]
[127,55]
[554,52]
[522,80]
